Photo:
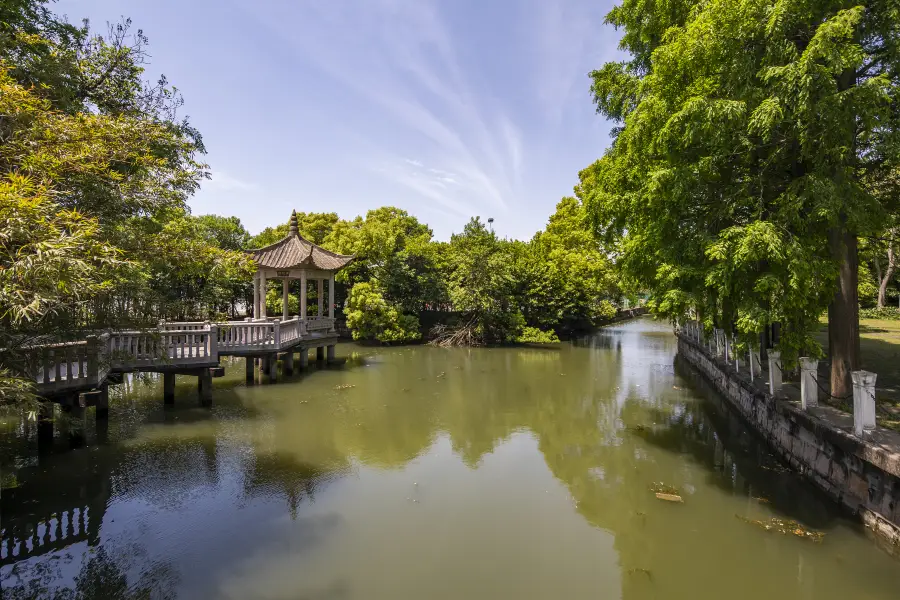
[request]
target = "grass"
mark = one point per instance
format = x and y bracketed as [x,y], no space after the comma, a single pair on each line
[879,347]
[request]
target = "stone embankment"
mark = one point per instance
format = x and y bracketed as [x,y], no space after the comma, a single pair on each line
[860,472]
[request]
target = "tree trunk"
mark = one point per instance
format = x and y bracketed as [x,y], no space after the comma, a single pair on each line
[843,314]
[885,278]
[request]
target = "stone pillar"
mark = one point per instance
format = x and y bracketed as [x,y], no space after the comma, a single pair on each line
[863,402]
[720,341]
[303,294]
[249,364]
[169,388]
[262,296]
[273,367]
[320,296]
[285,297]
[304,358]
[255,313]
[331,353]
[331,296]
[729,346]
[774,372]
[287,363]
[320,353]
[101,410]
[809,379]
[204,387]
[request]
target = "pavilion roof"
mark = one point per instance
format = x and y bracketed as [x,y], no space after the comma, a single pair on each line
[296,251]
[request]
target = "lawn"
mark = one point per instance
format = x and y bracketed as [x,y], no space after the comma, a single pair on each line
[879,345]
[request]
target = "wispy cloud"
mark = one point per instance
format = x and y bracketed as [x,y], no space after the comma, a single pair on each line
[400,57]
[224,182]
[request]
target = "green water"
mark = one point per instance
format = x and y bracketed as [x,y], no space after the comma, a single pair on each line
[441,473]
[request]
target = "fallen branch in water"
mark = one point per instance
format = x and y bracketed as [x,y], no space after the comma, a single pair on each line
[445,336]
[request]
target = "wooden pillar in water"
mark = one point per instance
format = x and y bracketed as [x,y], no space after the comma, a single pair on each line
[304,358]
[320,353]
[271,367]
[102,406]
[287,363]
[45,417]
[331,353]
[249,366]
[204,387]
[169,388]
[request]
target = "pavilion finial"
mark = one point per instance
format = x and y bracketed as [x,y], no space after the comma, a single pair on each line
[294,228]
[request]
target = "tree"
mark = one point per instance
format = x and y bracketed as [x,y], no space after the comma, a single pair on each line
[482,283]
[370,317]
[741,175]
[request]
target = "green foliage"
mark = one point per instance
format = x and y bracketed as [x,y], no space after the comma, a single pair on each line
[749,132]
[888,313]
[370,317]
[533,335]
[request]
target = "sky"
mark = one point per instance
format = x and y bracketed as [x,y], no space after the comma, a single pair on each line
[445,108]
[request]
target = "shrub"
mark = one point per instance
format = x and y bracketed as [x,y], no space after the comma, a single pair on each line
[605,311]
[888,313]
[371,318]
[533,335]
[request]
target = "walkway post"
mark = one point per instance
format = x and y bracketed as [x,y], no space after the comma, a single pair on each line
[331,297]
[863,402]
[755,364]
[285,296]
[262,296]
[809,378]
[212,343]
[303,294]
[256,296]
[320,296]
[774,372]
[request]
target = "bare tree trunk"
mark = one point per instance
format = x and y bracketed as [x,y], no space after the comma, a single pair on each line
[843,314]
[885,278]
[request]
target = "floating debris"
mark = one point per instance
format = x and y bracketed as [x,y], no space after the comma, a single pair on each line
[640,571]
[761,500]
[785,527]
[670,497]
[344,386]
[675,387]
[661,488]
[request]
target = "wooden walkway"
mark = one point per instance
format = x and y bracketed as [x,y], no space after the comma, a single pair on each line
[184,348]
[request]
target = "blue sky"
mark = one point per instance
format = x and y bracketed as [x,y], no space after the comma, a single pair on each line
[445,108]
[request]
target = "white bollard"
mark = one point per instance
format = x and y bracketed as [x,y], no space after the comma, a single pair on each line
[755,363]
[774,372]
[809,379]
[863,402]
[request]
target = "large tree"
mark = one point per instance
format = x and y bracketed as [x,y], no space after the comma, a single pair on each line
[749,135]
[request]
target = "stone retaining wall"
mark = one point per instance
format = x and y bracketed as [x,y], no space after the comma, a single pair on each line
[861,475]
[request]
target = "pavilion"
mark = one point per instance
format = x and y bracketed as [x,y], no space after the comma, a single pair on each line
[295,257]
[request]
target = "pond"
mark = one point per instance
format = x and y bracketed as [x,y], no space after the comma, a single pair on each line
[418,472]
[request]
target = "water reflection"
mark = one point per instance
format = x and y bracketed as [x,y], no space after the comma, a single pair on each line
[421,472]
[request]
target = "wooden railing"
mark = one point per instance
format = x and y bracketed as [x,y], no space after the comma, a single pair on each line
[183,325]
[68,364]
[148,348]
[292,330]
[319,324]
[59,368]
[21,540]
[237,335]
